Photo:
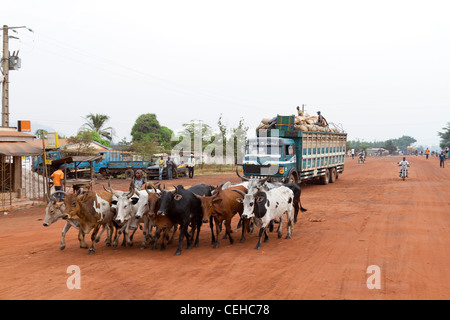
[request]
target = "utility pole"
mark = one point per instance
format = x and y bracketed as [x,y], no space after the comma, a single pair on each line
[5,85]
[5,71]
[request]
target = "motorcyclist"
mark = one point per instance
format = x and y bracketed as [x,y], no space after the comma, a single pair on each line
[403,164]
[362,156]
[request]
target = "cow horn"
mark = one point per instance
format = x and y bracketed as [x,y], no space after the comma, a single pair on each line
[196,195]
[262,181]
[243,178]
[239,191]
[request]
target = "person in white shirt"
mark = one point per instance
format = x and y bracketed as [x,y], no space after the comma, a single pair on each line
[403,164]
[190,165]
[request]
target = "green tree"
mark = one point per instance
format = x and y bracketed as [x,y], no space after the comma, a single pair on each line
[96,122]
[147,128]
[390,146]
[404,142]
[445,136]
[41,133]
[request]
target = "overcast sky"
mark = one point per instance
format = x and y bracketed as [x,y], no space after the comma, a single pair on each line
[381,69]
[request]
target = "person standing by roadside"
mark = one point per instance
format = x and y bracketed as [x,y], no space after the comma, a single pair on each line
[162,164]
[427,152]
[57,176]
[190,165]
[442,159]
[170,166]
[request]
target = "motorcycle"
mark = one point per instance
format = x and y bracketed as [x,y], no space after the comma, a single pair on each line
[361,159]
[404,171]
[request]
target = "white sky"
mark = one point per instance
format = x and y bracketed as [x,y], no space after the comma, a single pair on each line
[379,68]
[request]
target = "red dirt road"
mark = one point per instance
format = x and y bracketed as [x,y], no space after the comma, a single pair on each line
[369,217]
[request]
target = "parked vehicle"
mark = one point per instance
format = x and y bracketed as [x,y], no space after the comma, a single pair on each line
[55,154]
[116,162]
[153,170]
[113,163]
[295,156]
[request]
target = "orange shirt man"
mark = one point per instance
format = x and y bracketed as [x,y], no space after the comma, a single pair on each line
[57,176]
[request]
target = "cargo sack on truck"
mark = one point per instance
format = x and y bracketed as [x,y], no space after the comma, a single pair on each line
[298,123]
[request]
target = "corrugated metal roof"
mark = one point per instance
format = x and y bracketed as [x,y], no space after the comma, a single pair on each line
[19,149]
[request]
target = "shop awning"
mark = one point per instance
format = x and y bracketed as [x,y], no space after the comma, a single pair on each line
[19,149]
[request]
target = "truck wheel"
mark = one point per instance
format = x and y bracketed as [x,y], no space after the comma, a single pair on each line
[333,175]
[325,178]
[129,174]
[104,172]
[292,178]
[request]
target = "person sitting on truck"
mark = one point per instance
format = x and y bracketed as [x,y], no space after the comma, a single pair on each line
[57,176]
[321,121]
[139,179]
[162,164]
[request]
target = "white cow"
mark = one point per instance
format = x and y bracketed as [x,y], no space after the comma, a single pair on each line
[268,205]
[132,208]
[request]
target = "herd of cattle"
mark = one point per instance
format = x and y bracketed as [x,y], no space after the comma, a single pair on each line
[257,201]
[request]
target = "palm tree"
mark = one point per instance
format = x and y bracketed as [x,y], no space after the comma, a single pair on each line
[95,122]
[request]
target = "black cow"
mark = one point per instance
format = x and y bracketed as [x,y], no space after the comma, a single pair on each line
[297,204]
[182,207]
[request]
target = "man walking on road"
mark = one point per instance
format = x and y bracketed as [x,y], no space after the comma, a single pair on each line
[442,159]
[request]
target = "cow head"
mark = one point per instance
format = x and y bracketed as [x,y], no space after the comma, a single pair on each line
[125,205]
[54,211]
[207,206]
[168,199]
[154,200]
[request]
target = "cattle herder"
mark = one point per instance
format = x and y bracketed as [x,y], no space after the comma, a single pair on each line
[57,176]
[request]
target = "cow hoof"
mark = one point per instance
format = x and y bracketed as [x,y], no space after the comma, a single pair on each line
[216,246]
[62,247]
[288,237]
[142,247]
[242,240]
[279,236]
[91,251]
[108,244]
[177,253]
[258,248]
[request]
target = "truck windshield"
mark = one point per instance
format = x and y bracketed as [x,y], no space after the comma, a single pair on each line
[263,150]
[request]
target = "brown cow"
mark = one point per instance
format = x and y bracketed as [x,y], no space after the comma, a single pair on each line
[161,222]
[222,205]
[93,210]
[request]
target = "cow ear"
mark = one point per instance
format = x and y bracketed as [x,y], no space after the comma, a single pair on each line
[178,196]
[217,201]
[240,200]
[260,199]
